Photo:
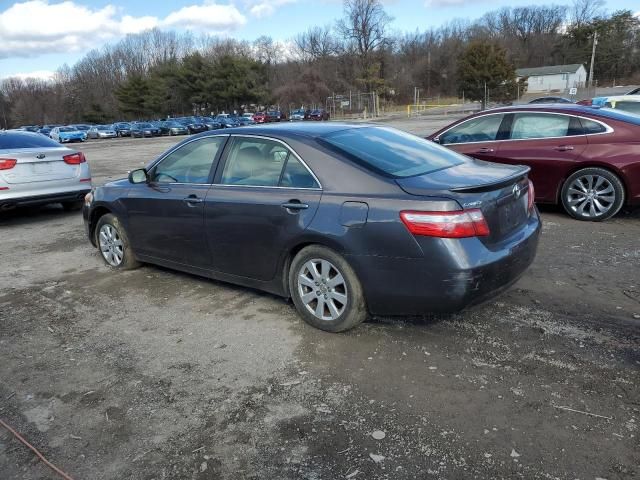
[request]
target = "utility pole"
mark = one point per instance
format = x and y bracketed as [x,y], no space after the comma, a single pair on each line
[593,57]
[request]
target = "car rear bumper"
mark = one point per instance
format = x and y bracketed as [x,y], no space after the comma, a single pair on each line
[470,275]
[71,196]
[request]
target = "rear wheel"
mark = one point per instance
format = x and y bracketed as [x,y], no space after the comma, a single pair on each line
[326,290]
[113,243]
[592,194]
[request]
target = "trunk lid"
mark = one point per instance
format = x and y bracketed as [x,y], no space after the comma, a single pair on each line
[38,165]
[499,190]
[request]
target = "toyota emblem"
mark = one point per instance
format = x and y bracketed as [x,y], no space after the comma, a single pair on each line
[516,191]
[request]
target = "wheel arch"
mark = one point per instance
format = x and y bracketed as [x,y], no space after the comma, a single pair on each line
[96,213]
[591,164]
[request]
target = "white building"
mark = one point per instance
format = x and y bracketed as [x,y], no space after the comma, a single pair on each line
[554,78]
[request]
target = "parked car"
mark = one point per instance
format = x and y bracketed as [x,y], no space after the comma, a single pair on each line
[272,116]
[46,131]
[82,127]
[628,103]
[29,128]
[193,125]
[102,131]
[248,115]
[227,122]
[123,129]
[550,100]
[67,134]
[244,121]
[635,91]
[260,117]
[209,122]
[296,115]
[144,129]
[318,115]
[35,170]
[346,219]
[171,127]
[586,159]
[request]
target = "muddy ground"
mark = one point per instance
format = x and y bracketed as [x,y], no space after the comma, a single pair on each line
[153,374]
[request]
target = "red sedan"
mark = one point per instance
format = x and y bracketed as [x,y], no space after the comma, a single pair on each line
[260,117]
[585,158]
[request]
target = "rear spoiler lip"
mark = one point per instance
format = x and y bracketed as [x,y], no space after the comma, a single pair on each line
[503,182]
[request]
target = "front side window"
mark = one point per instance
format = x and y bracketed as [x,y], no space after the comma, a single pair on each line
[479,129]
[190,163]
[543,125]
[265,163]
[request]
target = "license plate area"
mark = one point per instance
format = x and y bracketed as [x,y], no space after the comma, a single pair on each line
[42,168]
[512,215]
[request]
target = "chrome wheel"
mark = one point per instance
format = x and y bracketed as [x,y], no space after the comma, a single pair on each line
[111,245]
[590,196]
[322,289]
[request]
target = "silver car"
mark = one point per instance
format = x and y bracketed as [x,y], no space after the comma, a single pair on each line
[36,170]
[102,131]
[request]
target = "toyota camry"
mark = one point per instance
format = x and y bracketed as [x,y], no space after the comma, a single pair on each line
[346,220]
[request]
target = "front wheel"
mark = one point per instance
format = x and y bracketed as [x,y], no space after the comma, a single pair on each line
[325,290]
[592,194]
[113,243]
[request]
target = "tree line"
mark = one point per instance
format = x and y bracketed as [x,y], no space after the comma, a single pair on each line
[160,73]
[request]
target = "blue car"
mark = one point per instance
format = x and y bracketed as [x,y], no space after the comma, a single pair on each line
[67,134]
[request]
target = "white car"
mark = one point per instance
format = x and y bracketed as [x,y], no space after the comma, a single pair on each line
[35,170]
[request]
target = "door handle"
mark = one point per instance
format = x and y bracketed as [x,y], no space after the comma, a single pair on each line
[485,150]
[295,205]
[563,148]
[192,200]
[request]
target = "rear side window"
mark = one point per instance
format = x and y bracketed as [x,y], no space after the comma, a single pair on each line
[542,125]
[590,127]
[479,129]
[392,152]
[13,141]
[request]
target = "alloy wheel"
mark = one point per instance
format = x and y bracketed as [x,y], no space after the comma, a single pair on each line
[322,289]
[590,196]
[111,246]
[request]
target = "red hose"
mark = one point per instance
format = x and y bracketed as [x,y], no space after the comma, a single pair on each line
[40,456]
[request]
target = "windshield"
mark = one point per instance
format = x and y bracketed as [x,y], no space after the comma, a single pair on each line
[144,125]
[393,152]
[104,127]
[67,129]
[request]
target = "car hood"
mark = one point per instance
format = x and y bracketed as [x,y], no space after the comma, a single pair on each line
[472,174]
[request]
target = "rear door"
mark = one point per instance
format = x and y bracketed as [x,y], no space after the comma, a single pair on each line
[263,198]
[478,137]
[165,215]
[551,144]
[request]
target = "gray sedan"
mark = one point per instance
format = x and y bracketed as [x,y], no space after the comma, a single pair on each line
[35,170]
[102,131]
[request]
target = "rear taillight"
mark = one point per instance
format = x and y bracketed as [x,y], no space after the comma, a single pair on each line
[7,163]
[456,224]
[531,197]
[74,158]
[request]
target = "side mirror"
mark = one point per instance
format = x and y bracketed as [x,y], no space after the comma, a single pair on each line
[138,176]
[436,140]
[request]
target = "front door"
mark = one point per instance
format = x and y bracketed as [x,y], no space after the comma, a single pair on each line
[478,137]
[165,215]
[263,198]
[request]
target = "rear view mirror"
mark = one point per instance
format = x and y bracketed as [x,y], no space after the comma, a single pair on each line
[138,176]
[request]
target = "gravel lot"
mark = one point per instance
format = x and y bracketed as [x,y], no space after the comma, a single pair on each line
[153,374]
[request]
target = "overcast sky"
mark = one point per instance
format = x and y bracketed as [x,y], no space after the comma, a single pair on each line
[37,36]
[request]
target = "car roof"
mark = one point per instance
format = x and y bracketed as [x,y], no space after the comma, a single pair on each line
[571,109]
[305,129]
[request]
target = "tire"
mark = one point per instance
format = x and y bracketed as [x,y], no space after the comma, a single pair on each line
[341,305]
[117,247]
[592,194]
[72,206]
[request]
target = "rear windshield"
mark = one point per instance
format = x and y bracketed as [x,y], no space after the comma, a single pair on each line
[13,141]
[392,152]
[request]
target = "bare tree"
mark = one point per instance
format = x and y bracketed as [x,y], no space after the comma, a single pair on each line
[584,11]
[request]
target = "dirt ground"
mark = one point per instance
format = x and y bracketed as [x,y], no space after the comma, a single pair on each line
[153,374]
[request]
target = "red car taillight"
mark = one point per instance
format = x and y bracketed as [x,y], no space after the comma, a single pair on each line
[7,163]
[531,197]
[74,158]
[456,224]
